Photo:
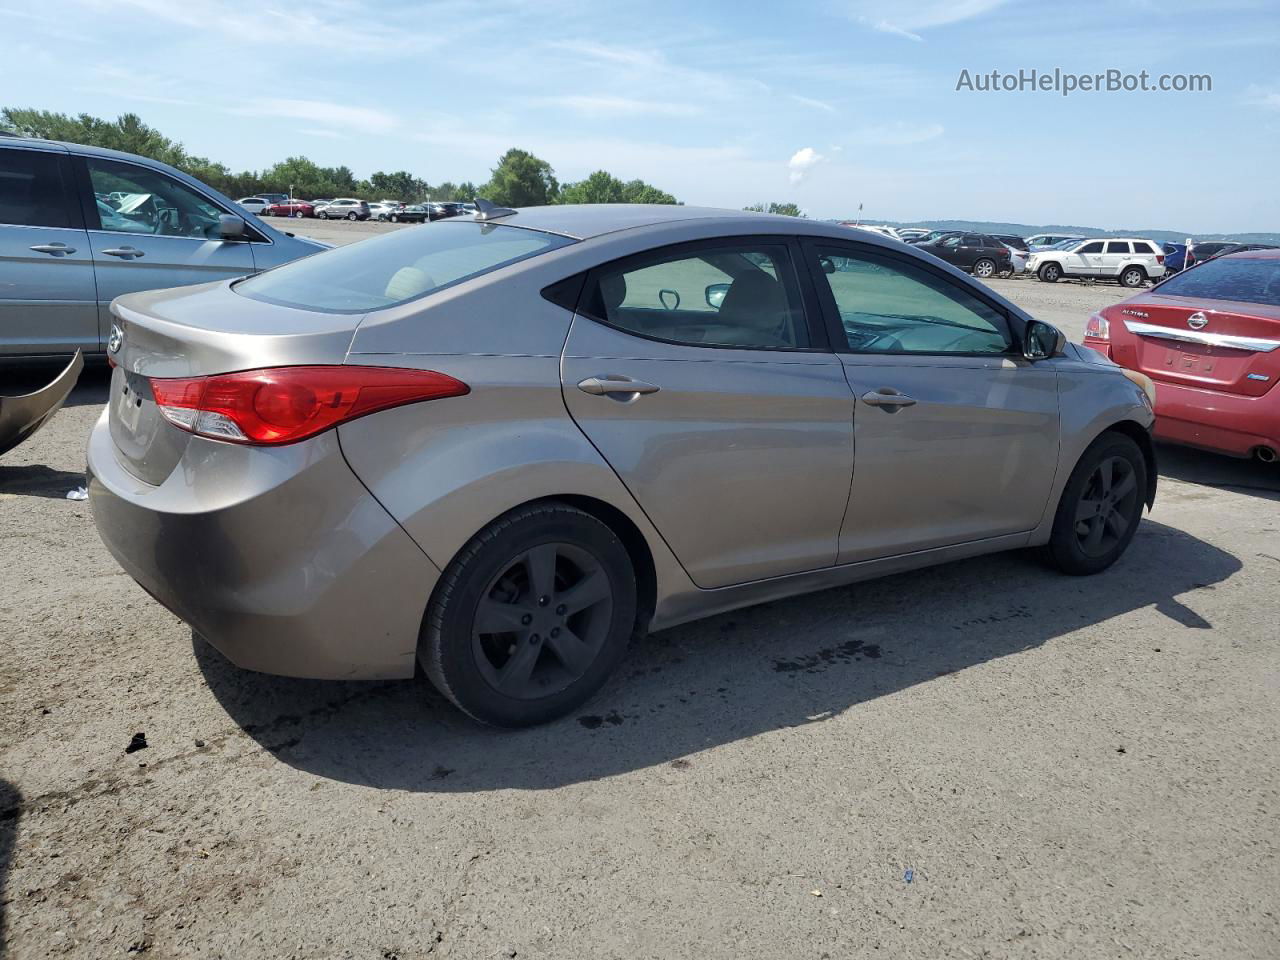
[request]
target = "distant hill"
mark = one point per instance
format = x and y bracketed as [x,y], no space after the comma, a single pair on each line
[1029,229]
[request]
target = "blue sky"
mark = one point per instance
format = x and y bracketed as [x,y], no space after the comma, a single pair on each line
[827,104]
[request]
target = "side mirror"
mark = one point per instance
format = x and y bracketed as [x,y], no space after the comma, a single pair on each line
[716,293]
[230,227]
[1042,341]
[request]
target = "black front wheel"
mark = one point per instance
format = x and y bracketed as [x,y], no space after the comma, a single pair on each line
[1050,273]
[1101,506]
[532,616]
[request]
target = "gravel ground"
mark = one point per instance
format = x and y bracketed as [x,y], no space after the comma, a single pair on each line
[982,760]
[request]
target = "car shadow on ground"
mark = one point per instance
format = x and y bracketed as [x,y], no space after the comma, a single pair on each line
[10,815]
[727,678]
[37,480]
[1250,477]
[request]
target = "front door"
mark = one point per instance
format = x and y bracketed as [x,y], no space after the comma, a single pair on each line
[696,372]
[1086,261]
[149,231]
[955,434]
[48,302]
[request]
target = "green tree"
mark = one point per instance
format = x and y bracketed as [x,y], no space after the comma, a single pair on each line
[785,209]
[604,187]
[401,185]
[521,180]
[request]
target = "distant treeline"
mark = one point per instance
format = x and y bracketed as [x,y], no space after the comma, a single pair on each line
[518,179]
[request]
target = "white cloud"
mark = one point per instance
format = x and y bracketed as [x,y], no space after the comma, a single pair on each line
[815,104]
[898,134]
[802,163]
[910,19]
[620,106]
[1266,97]
[326,116]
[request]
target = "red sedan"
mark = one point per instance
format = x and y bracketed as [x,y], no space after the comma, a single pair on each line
[291,208]
[1210,339]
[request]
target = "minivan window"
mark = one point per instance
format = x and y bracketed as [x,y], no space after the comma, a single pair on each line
[397,267]
[1245,280]
[147,201]
[31,189]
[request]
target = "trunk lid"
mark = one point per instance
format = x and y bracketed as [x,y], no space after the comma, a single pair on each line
[1217,345]
[199,331]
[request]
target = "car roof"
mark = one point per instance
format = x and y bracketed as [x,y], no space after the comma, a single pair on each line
[1270,254]
[586,220]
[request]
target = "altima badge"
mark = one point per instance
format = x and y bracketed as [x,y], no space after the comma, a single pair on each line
[1197,321]
[116,340]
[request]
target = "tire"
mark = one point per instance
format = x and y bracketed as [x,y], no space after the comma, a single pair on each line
[984,269]
[323,215]
[352,216]
[1050,273]
[1087,536]
[515,674]
[395,218]
[1133,277]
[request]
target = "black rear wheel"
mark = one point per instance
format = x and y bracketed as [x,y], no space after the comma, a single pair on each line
[1132,277]
[984,268]
[1101,506]
[531,617]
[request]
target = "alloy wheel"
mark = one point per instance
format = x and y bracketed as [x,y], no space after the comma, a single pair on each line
[542,621]
[1106,506]
[984,268]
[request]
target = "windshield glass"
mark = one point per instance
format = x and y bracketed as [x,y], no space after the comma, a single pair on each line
[398,267]
[1246,280]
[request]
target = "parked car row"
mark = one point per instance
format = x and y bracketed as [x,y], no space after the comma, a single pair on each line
[350,208]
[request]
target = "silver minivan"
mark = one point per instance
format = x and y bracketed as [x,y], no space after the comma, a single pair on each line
[79,226]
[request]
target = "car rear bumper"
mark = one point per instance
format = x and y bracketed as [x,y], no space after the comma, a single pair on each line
[279,557]
[1223,422]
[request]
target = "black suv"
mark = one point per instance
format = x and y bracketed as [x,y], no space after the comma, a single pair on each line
[982,255]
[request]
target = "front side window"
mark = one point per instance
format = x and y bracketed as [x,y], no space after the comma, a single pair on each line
[735,295]
[395,268]
[32,193]
[1095,247]
[1118,246]
[888,305]
[147,201]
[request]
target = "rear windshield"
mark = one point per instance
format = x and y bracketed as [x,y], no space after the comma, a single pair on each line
[1245,280]
[398,267]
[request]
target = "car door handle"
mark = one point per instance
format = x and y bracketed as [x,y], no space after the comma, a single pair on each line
[125,253]
[888,398]
[53,249]
[599,386]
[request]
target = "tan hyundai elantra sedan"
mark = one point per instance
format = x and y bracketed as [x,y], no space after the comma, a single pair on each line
[504,446]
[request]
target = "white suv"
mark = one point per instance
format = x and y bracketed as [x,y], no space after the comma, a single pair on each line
[1129,260]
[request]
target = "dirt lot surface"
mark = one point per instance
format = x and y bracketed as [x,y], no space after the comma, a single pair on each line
[982,760]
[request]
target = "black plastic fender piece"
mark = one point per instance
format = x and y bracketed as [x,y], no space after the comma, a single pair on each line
[22,416]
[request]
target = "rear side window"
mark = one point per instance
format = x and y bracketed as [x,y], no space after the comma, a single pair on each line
[1141,246]
[1118,246]
[32,189]
[735,295]
[1245,280]
[397,267]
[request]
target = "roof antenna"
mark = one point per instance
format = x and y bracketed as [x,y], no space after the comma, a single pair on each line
[489,211]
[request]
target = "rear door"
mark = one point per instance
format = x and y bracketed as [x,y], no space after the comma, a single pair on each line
[698,374]
[48,300]
[1115,254]
[159,232]
[956,434]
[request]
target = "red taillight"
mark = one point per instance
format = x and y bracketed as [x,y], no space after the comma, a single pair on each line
[1160,258]
[287,404]
[1097,328]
